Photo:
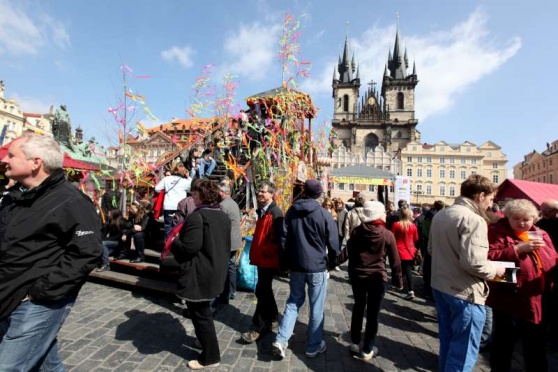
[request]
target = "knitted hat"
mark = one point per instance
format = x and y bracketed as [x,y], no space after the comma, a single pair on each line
[313,188]
[372,211]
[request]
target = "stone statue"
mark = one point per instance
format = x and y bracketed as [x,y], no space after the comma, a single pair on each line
[61,129]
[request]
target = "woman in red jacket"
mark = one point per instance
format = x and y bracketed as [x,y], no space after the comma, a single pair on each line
[406,235]
[518,308]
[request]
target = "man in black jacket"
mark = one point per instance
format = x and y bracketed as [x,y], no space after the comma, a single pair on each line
[50,241]
[310,236]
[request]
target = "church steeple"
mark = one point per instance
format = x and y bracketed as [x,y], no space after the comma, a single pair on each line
[345,67]
[397,64]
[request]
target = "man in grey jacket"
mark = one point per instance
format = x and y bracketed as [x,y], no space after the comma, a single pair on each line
[230,207]
[458,243]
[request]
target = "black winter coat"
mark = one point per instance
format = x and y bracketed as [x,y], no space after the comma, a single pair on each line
[203,249]
[50,240]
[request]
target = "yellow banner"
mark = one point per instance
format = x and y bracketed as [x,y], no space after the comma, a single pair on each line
[362,180]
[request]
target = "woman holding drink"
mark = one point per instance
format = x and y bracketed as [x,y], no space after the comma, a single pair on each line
[518,307]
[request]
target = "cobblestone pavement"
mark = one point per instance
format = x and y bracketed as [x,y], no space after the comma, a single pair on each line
[114,329]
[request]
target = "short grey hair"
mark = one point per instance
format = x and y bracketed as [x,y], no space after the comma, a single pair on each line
[521,207]
[225,188]
[270,186]
[43,147]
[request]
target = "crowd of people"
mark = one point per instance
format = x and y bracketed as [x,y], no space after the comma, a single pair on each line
[491,274]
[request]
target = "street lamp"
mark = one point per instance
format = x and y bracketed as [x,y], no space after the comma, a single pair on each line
[417,193]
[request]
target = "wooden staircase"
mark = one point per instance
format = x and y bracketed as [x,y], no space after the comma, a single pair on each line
[144,275]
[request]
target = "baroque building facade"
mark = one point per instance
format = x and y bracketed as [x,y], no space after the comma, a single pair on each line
[437,171]
[539,166]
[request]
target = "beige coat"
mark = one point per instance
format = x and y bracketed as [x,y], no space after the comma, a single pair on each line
[458,244]
[351,221]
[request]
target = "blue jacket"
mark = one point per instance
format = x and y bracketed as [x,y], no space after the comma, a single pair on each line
[309,236]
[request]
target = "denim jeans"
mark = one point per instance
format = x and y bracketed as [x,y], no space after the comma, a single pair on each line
[28,336]
[317,289]
[206,168]
[486,335]
[108,247]
[168,215]
[460,326]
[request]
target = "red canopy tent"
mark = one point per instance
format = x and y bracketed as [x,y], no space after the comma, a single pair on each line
[68,161]
[534,191]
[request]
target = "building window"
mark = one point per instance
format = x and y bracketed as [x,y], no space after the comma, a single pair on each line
[495,178]
[442,173]
[463,174]
[452,160]
[550,178]
[429,159]
[409,159]
[429,173]
[442,160]
[351,187]
[346,103]
[463,161]
[400,101]
[428,189]
[414,148]
[494,165]
[419,188]
[409,172]
[468,149]
[419,172]
[473,161]
[442,148]
[442,190]
[488,154]
[419,159]
[452,174]
[341,186]
[452,191]
[371,188]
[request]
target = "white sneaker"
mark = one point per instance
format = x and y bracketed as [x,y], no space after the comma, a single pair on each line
[278,350]
[410,295]
[320,350]
[370,355]
[354,348]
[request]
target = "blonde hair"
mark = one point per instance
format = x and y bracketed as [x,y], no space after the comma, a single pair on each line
[405,216]
[521,207]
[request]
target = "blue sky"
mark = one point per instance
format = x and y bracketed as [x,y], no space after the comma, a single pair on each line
[485,67]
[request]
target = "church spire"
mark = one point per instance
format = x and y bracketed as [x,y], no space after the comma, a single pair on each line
[396,64]
[346,65]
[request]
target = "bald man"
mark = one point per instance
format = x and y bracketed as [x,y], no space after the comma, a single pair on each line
[549,220]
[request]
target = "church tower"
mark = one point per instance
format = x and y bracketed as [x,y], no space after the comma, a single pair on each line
[398,92]
[346,85]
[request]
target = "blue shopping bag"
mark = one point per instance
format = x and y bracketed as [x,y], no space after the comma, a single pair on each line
[247,275]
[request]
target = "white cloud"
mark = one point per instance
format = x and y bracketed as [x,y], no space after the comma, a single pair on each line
[22,34]
[182,55]
[448,62]
[32,104]
[252,49]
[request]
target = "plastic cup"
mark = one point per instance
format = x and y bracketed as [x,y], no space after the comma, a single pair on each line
[534,235]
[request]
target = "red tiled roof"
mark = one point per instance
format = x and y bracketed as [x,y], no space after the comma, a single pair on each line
[181,124]
[536,192]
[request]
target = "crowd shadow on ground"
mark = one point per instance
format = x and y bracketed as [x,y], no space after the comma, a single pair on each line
[153,333]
